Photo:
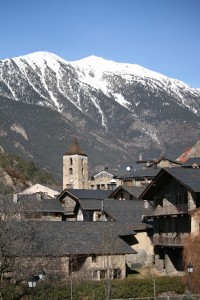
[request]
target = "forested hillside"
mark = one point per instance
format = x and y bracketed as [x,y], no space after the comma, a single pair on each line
[17,174]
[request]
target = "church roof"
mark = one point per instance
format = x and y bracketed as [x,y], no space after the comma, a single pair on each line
[74,148]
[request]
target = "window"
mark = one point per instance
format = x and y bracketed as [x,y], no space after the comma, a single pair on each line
[95,274]
[137,182]
[160,228]
[116,274]
[94,258]
[102,274]
[70,171]
[71,161]
[103,187]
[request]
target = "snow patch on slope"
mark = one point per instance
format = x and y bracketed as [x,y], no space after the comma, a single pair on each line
[19,129]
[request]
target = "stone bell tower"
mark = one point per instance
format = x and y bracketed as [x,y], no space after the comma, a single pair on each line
[75,167]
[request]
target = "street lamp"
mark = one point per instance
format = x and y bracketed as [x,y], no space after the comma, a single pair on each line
[190,269]
[42,276]
[32,284]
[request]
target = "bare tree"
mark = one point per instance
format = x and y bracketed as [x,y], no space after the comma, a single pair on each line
[191,255]
[14,236]
[10,270]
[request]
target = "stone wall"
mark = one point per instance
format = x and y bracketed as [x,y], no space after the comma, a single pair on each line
[145,251]
[99,267]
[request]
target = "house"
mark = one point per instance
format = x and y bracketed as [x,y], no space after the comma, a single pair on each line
[175,194]
[69,198]
[90,210]
[103,180]
[50,192]
[127,214]
[30,207]
[92,250]
[131,213]
[137,178]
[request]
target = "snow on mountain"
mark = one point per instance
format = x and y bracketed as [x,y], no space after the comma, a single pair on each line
[124,106]
[95,71]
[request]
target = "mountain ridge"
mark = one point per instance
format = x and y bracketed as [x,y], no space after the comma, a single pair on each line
[109,108]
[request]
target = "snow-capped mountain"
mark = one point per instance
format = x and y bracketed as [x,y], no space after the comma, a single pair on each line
[121,109]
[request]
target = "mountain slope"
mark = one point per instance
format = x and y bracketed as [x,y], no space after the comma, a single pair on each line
[112,107]
[17,174]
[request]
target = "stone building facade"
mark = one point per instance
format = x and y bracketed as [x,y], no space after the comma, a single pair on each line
[75,167]
[175,195]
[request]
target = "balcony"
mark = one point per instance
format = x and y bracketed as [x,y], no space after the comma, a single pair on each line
[170,209]
[182,207]
[177,241]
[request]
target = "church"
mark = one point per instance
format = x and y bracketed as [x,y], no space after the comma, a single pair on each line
[76,175]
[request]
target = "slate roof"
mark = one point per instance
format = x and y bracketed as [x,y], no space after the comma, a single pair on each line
[140,173]
[91,204]
[68,238]
[127,212]
[31,203]
[86,193]
[136,191]
[191,161]
[189,177]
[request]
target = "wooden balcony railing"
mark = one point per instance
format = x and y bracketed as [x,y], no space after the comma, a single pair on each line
[169,241]
[170,209]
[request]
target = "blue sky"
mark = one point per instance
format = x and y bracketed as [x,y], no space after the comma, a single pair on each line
[162,35]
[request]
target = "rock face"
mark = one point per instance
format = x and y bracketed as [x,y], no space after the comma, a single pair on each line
[11,184]
[116,110]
